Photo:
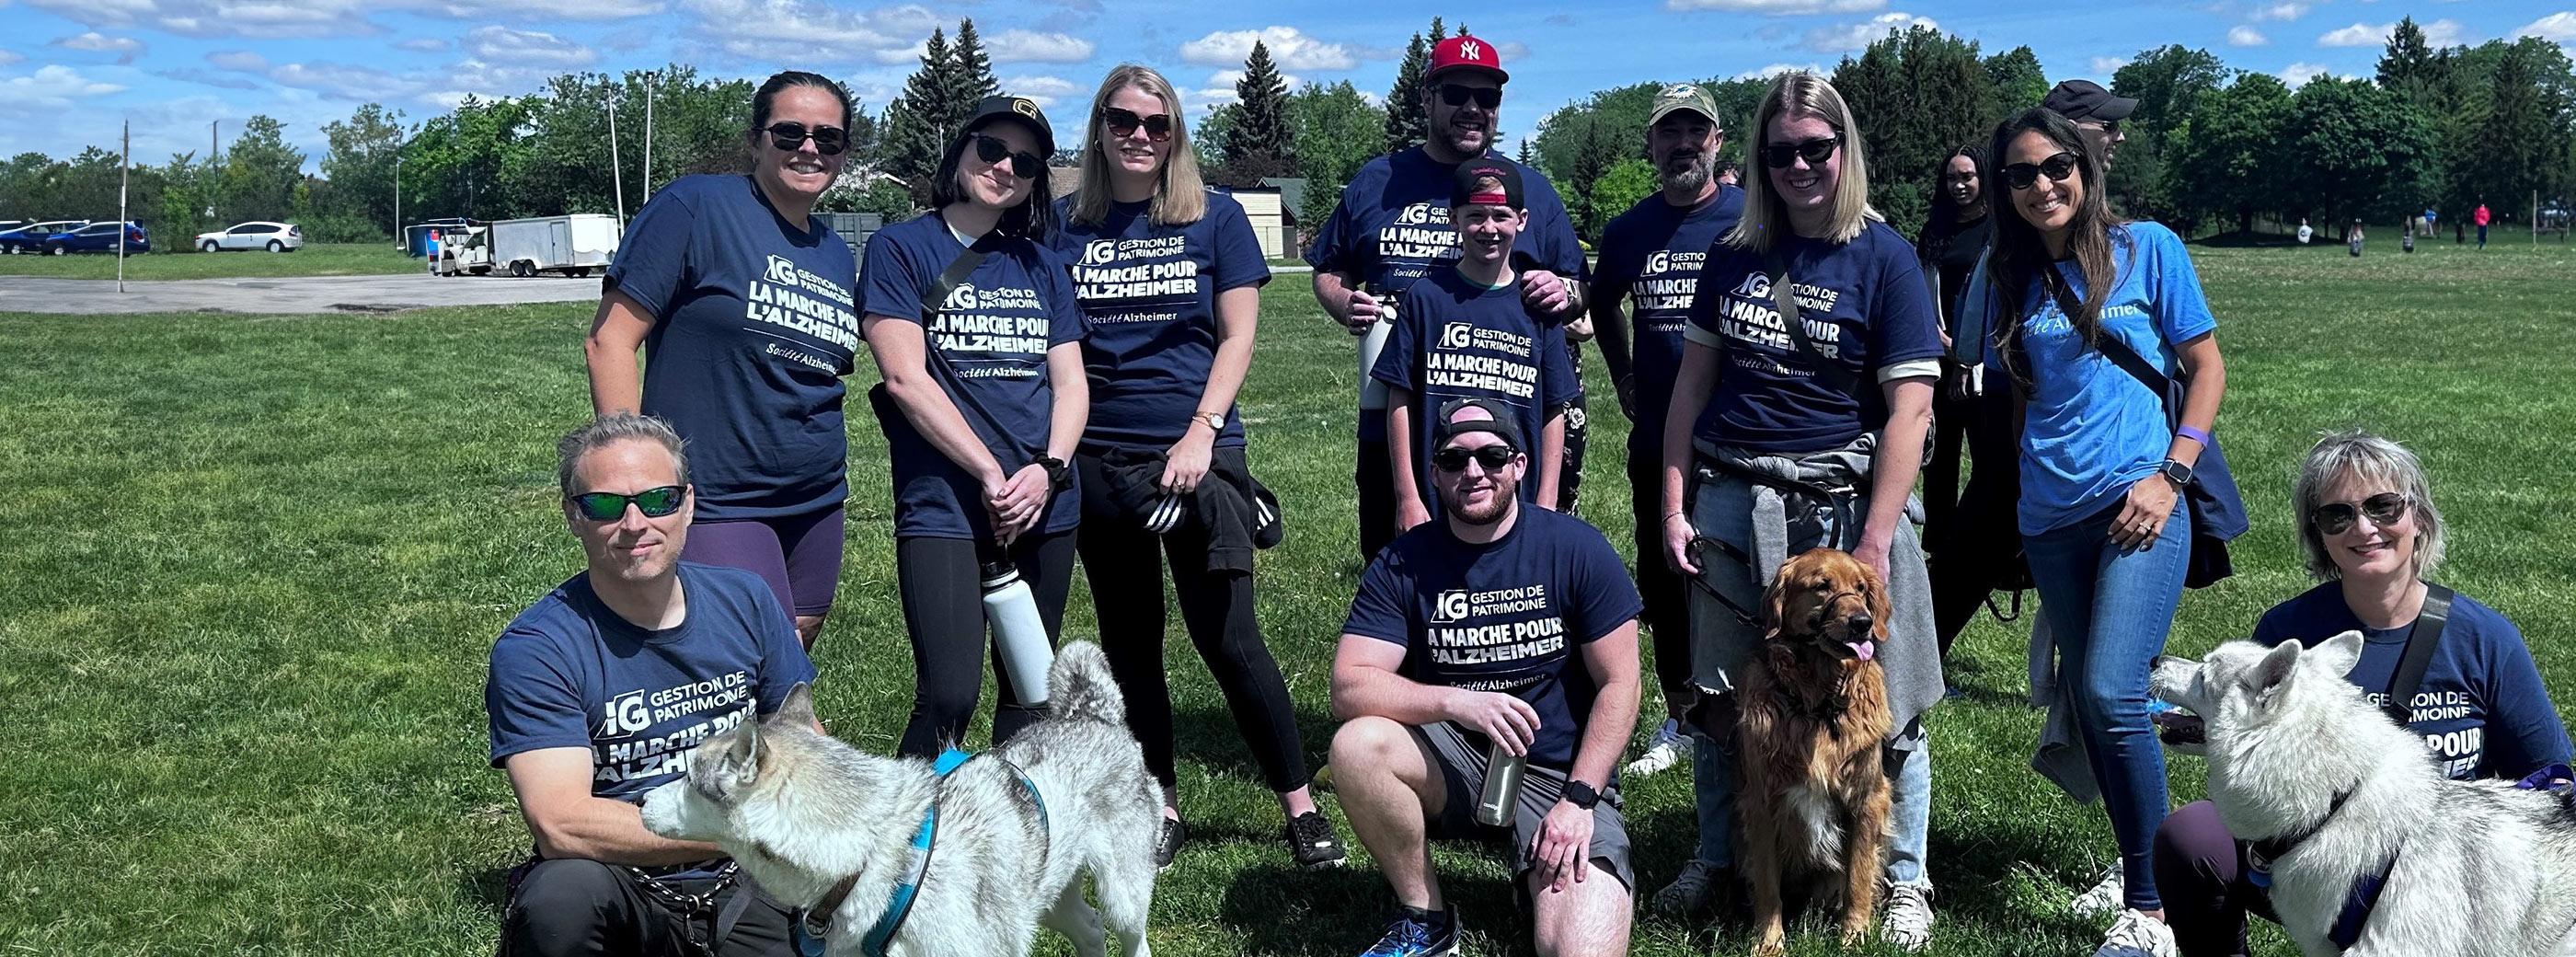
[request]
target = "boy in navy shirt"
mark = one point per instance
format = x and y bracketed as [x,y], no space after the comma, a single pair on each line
[1465,333]
[601,690]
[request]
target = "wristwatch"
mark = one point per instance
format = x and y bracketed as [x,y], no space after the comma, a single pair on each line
[1059,477]
[1214,420]
[2175,472]
[1580,794]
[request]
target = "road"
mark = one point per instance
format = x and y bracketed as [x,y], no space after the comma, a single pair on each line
[300,294]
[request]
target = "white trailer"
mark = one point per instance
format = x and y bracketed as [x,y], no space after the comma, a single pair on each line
[581,244]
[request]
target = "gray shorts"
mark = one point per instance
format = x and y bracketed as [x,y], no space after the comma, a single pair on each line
[1462,772]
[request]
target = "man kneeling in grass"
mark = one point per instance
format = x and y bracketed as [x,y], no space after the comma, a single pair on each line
[599,692]
[1493,630]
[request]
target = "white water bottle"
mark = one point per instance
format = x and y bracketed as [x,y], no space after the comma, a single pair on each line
[1017,631]
[1373,392]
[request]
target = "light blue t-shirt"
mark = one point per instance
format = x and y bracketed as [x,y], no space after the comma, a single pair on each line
[2093,429]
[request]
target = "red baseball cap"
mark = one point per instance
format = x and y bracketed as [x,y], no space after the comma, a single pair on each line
[1463,52]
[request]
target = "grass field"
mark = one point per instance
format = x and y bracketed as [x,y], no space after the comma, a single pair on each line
[253,566]
[178,262]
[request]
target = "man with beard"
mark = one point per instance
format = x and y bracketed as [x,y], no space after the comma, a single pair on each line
[1392,228]
[1496,634]
[1653,253]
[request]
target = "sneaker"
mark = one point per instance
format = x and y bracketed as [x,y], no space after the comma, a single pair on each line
[1312,842]
[1692,891]
[1908,920]
[1418,933]
[2137,935]
[2106,898]
[1664,751]
[1168,843]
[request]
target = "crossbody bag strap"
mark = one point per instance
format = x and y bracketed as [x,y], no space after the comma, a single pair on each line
[2420,642]
[1834,375]
[934,300]
[2116,350]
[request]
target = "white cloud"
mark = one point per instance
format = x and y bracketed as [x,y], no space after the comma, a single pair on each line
[242,60]
[2445,33]
[125,48]
[2247,37]
[525,10]
[220,18]
[1850,37]
[2297,75]
[344,81]
[1209,99]
[1046,90]
[2280,12]
[424,45]
[810,32]
[527,48]
[1029,46]
[1779,8]
[1776,69]
[2438,34]
[50,89]
[1228,78]
[2558,27]
[9,57]
[2107,65]
[1289,48]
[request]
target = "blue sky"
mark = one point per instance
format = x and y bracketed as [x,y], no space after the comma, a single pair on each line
[72,70]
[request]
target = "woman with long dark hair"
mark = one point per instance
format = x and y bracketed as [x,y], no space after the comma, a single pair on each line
[746,361]
[1170,278]
[2103,472]
[983,401]
[1967,535]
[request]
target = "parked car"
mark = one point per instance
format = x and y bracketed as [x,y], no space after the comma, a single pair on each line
[99,238]
[30,238]
[273,237]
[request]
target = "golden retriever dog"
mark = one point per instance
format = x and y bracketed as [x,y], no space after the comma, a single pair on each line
[1812,788]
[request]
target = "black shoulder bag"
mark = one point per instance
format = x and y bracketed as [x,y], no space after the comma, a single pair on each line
[2420,642]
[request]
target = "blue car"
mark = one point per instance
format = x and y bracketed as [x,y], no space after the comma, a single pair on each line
[31,237]
[99,238]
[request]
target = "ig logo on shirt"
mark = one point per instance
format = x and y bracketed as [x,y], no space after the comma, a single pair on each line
[1755,286]
[626,714]
[1657,263]
[782,271]
[960,298]
[1456,335]
[1099,252]
[1452,606]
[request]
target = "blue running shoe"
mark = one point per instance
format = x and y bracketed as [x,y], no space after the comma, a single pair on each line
[1418,933]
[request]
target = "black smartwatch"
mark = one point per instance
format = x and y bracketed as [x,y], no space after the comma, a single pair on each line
[2175,472]
[1580,794]
[1059,477]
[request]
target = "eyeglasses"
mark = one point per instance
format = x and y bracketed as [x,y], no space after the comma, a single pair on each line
[610,506]
[1486,97]
[1454,458]
[992,151]
[2108,127]
[1158,127]
[2057,168]
[1815,152]
[828,140]
[2383,509]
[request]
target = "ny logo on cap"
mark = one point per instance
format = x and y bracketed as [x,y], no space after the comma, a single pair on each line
[1470,51]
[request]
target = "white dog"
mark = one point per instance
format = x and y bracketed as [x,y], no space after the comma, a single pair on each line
[2343,795]
[812,819]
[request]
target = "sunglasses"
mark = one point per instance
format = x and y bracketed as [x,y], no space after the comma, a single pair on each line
[610,506]
[2057,168]
[1158,127]
[828,140]
[1486,97]
[1454,459]
[2383,509]
[992,151]
[2106,126]
[1815,152]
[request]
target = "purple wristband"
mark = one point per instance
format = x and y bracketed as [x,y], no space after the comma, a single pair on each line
[2196,435]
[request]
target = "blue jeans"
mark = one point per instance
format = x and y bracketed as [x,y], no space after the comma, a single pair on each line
[2110,609]
[1910,817]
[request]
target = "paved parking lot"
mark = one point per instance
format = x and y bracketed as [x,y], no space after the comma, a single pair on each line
[302,294]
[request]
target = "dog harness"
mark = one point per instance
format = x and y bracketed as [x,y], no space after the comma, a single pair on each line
[2364,894]
[813,923]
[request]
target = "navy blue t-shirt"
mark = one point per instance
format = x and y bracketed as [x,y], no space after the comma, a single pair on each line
[1392,228]
[753,328]
[1865,306]
[1455,339]
[570,673]
[2481,707]
[1149,293]
[1498,616]
[995,331]
[1652,254]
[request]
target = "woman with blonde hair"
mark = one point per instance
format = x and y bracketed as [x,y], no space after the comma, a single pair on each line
[1800,417]
[1169,276]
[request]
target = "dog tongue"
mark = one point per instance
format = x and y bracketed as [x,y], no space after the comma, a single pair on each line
[1862,649]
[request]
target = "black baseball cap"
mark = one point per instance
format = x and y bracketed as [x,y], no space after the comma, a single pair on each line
[1466,184]
[1503,424]
[1019,108]
[2087,100]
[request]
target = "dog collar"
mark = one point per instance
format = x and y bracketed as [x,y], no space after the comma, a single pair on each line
[813,923]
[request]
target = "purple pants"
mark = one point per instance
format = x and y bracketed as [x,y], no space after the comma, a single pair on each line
[799,556]
[2200,871]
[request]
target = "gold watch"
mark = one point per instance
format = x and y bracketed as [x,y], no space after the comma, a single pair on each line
[1215,420]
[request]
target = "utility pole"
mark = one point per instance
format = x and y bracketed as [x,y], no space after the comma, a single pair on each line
[399,243]
[124,171]
[214,140]
[649,84]
[616,169]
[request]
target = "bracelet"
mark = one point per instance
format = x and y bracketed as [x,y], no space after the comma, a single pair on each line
[2196,435]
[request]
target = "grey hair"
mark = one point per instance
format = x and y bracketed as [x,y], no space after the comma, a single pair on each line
[609,430]
[2381,463]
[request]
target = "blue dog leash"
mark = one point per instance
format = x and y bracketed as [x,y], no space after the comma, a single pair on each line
[814,923]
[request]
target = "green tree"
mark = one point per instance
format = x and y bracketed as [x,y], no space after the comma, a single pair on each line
[1405,124]
[1626,184]
[2018,81]
[915,121]
[1337,132]
[2408,67]
[2354,151]
[1261,123]
[360,168]
[1916,96]
[971,73]
[2167,82]
[2230,157]
[260,173]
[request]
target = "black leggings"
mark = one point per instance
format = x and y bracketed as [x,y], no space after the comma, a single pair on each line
[1971,535]
[1667,617]
[1376,477]
[943,608]
[1125,565]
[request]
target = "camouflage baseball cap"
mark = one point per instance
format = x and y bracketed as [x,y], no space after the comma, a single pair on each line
[1684,96]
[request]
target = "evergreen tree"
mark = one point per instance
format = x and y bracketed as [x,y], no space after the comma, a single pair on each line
[970,74]
[1405,124]
[1261,124]
[2407,68]
[916,122]
[1593,159]
[2018,81]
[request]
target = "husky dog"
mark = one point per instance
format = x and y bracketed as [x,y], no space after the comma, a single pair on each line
[806,815]
[2301,762]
